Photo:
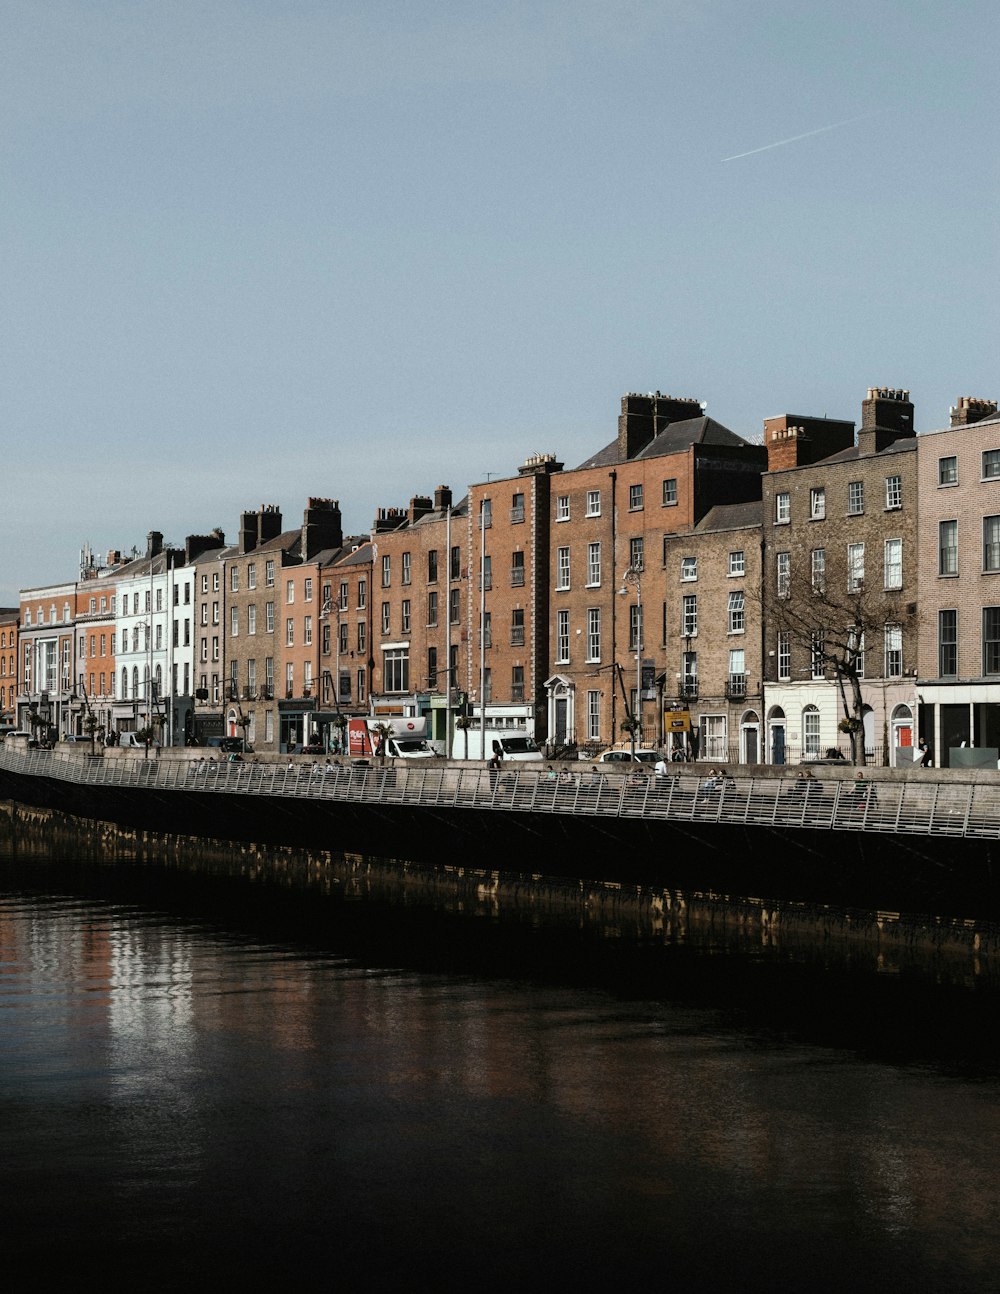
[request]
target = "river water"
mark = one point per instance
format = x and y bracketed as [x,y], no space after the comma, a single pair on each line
[212,1077]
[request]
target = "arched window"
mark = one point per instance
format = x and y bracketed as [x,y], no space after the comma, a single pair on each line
[158,681]
[124,684]
[810,730]
[135,682]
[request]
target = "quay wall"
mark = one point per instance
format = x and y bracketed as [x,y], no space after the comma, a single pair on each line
[947,876]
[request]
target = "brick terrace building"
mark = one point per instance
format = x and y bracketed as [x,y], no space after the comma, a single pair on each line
[667,468]
[504,658]
[421,567]
[959,653]
[711,633]
[47,642]
[9,619]
[835,513]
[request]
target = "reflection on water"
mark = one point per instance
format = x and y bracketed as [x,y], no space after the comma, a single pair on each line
[207,1076]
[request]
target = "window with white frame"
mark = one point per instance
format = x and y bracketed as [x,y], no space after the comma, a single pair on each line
[406,568]
[307,630]
[562,507]
[269,617]
[636,553]
[396,669]
[251,575]
[670,492]
[689,615]
[991,464]
[810,730]
[269,572]
[817,503]
[893,492]
[252,619]
[893,564]
[593,633]
[784,655]
[737,562]
[856,651]
[991,543]
[562,567]
[234,578]
[855,567]
[713,737]
[404,616]
[289,632]
[855,498]
[817,664]
[947,548]
[991,640]
[234,621]
[817,569]
[784,572]
[562,637]
[893,651]
[593,503]
[386,570]
[947,643]
[689,568]
[948,470]
[386,614]
[635,498]
[736,612]
[736,684]
[635,628]
[782,508]
[593,565]
[593,716]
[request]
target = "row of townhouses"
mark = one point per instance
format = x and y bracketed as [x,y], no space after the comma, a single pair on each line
[740,601]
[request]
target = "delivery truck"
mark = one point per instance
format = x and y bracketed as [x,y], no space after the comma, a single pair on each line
[405,739]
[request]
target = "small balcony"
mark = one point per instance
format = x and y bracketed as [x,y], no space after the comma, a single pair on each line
[736,687]
[517,636]
[688,690]
[517,576]
[517,515]
[517,691]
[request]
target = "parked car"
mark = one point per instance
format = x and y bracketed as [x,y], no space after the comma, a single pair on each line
[624,756]
[231,745]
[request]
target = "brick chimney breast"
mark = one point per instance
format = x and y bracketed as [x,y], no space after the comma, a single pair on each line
[969,410]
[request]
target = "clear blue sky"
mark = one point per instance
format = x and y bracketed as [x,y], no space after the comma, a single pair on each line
[259,250]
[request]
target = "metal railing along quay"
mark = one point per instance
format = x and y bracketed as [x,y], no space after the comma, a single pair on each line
[917,807]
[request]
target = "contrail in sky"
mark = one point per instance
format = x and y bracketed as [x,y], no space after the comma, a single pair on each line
[808,135]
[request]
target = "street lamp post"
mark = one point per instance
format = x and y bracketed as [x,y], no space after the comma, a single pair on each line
[633,576]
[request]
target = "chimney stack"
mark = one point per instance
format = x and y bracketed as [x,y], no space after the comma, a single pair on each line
[969,410]
[420,504]
[886,416]
[442,498]
[321,527]
[792,440]
[643,417]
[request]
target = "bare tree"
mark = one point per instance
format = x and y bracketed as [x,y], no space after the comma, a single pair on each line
[834,616]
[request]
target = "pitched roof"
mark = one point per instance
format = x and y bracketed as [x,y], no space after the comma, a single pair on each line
[675,438]
[732,516]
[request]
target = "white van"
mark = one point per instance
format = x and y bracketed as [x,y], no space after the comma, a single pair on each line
[132,741]
[514,745]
